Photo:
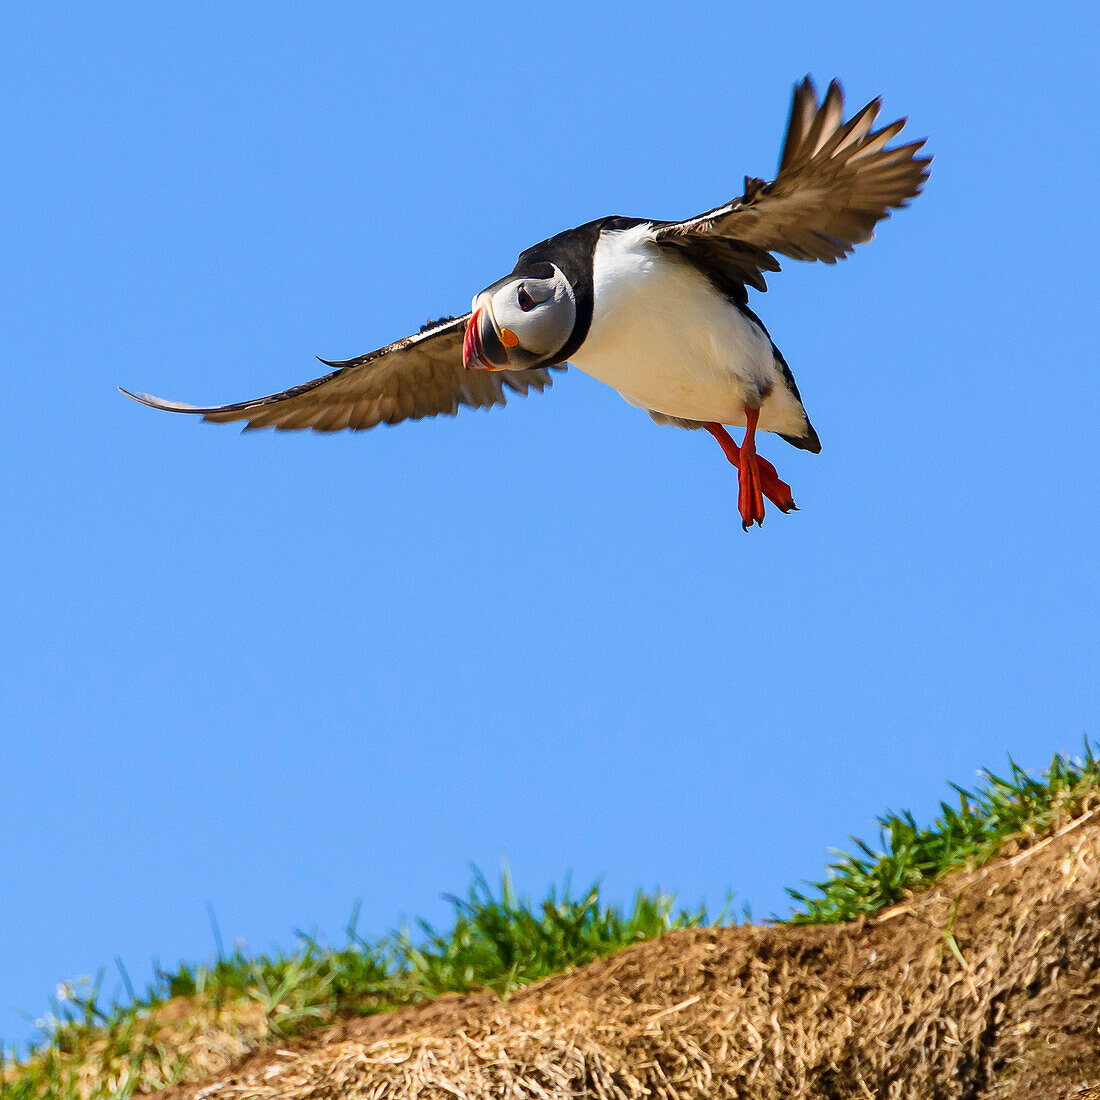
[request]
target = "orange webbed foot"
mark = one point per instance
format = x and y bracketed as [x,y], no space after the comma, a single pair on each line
[757,477]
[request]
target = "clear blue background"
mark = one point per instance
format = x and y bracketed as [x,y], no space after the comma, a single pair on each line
[276,673]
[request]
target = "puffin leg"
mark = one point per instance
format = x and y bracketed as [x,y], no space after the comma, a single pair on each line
[750,495]
[778,492]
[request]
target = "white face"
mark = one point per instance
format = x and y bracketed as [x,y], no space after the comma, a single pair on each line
[523,320]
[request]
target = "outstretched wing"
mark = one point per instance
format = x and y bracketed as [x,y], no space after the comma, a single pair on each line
[419,376]
[835,181]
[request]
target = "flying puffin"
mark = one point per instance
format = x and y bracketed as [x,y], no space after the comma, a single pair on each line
[656,309]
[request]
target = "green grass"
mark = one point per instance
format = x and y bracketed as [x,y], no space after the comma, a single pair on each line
[497,941]
[93,1048]
[909,857]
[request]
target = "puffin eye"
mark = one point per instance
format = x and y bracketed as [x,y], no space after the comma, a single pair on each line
[524,300]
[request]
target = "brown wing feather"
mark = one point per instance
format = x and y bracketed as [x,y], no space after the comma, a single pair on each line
[419,376]
[836,180]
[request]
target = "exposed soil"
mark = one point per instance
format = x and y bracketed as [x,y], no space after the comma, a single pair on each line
[986,987]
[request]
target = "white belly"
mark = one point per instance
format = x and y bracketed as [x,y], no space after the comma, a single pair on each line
[667,340]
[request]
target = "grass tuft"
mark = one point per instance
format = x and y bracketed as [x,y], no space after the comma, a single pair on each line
[909,857]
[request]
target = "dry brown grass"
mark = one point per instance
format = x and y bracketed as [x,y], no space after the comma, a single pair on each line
[986,986]
[198,1035]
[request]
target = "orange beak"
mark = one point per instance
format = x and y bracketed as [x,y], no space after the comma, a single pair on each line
[483,348]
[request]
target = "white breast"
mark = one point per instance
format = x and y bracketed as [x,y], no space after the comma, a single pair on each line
[667,340]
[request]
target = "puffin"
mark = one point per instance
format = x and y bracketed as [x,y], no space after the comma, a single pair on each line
[656,309]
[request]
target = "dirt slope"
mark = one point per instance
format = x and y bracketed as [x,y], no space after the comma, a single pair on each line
[984,988]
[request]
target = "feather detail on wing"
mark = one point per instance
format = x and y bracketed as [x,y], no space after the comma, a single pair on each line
[419,376]
[835,181]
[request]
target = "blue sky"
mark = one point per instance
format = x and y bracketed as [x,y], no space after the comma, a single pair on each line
[276,674]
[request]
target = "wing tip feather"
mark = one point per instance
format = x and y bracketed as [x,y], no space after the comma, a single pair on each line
[159,402]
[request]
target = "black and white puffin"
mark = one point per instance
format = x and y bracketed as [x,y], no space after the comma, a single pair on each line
[656,309]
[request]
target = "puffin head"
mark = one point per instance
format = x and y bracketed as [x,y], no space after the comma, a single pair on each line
[522,321]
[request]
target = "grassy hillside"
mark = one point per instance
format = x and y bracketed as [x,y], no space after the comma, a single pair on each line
[199,1018]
